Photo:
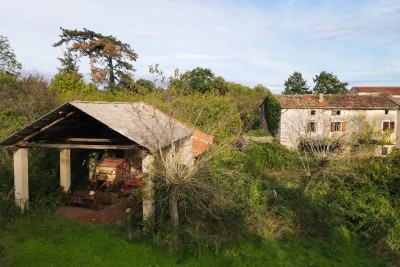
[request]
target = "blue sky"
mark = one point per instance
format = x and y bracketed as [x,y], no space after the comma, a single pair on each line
[249,42]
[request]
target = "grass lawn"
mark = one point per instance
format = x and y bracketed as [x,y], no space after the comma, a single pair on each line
[55,241]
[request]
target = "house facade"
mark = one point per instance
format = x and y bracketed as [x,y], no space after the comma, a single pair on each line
[343,118]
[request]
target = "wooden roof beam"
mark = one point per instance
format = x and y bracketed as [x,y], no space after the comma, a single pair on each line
[47,126]
[80,146]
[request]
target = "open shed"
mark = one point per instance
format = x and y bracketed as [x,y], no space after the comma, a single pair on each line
[134,127]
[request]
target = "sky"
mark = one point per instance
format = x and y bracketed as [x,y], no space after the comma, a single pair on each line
[245,41]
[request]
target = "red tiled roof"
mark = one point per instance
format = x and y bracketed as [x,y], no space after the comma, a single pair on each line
[390,90]
[346,101]
[200,142]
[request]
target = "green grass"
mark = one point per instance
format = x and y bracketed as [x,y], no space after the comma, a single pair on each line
[54,241]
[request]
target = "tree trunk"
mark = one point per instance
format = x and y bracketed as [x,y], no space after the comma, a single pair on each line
[308,183]
[111,82]
[173,211]
[92,71]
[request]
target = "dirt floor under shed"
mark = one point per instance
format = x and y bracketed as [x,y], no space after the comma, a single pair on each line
[111,214]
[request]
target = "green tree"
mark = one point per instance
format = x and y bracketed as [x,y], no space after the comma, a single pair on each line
[65,81]
[218,85]
[295,84]
[259,88]
[68,63]
[8,61]
[200,79]
[247,101]
[68,77]
[327,83]
[146,86]
[110,59]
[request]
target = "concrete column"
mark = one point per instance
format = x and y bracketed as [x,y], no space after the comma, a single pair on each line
[65,168]
[21,177]
[148,192]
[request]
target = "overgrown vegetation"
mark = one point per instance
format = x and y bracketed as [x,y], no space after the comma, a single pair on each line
[253,209]
[272,110]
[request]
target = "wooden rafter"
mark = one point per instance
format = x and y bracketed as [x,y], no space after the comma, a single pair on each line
[46,127]
[80,146]
[93,140]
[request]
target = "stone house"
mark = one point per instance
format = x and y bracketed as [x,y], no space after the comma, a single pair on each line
[335,117]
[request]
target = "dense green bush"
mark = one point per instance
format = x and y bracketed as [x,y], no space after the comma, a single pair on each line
[66,81]
[366,199]
[24,99]
[215,115]
[258,159]
[272,110]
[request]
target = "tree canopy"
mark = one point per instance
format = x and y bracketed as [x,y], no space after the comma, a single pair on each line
[8,60]
[327,83]
[146,86]
[295,84]
[110,59]
[200,79]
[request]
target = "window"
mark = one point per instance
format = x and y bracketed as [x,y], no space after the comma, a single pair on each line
[388,126]
[312,112]
[338,126]
[386,111]
[311,127]
[336,112]
[384,151]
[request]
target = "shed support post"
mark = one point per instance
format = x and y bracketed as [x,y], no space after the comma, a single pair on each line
[21,177]
[65,168]
[148,192]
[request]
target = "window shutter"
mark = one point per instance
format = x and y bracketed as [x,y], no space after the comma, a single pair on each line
[343,126]
[392,126]
[385,126]
[332,127]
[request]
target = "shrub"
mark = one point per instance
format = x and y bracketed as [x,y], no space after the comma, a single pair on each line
[272,109]
[365,199]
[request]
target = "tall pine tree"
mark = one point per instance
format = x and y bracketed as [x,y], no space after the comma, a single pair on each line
[295,84]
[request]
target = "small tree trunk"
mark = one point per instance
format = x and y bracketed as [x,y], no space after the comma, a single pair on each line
[92,71]
[173,211]
[111,82]
[308,183]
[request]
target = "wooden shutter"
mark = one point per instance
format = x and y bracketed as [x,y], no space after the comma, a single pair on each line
[385,125]
[392,126]
[343,126]
[332,127]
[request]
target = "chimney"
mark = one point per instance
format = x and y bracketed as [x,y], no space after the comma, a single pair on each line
[321,98]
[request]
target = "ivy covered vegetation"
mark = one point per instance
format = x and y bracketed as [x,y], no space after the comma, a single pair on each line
[257,213]
[272,112]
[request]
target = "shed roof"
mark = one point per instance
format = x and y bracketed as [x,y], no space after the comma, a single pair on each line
[140,122]
[389,90]
[135,123]
[345,101]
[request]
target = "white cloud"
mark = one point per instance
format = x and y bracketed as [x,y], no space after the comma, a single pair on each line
[243,41]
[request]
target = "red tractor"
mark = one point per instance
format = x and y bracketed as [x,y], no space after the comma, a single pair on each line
[116,174]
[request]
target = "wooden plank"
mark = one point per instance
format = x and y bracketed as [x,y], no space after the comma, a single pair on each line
[80,146]
[47,126]
[93,140]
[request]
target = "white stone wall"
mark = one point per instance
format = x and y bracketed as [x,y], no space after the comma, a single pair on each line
[293,124]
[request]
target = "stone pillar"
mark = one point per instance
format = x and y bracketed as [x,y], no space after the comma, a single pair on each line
[148,192]
[21,177]
[65,168]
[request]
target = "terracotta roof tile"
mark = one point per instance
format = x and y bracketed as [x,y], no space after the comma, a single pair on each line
[346,101]
[390,90]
